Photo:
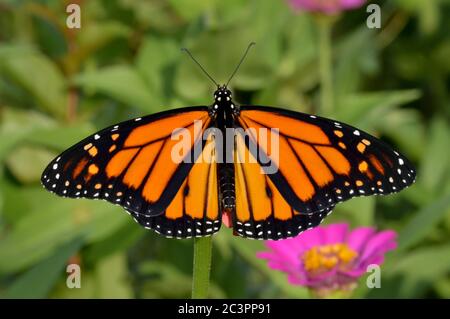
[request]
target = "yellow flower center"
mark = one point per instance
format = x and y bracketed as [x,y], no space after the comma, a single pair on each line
[321,259]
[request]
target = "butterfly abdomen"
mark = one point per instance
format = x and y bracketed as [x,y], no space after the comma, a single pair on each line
[226,187]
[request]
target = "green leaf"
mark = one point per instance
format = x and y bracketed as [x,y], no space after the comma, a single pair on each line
[423,222]
[98,34]
[366,107]
[112,278]
[360,211]
[302,49]
[428,13]
[120,82]
[190,9]
[8,142]
[405,128]
[414,273]
[191,84]
[26,69]
[379,111]
[20,200]
[165,276]
[26,163]
[60,137]
[229,13]
[163,20]
[39,280]
[121,239]
[356,56]
[436,160]
[16,125]
[248,252]
[443,287]
[36,235]
[93,38]
[220,50]
[155,62]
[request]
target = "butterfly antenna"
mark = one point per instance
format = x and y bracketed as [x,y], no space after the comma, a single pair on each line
[240,62]
[204,71]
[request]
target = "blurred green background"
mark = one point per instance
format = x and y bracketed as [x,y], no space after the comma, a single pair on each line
[57,85]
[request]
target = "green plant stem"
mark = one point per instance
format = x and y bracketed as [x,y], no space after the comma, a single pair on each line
[202,267]
[325,65]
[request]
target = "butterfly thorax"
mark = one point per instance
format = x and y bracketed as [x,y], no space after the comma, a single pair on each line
[223,103]
[222,111]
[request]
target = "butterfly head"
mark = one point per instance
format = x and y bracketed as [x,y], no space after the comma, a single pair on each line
[223,101]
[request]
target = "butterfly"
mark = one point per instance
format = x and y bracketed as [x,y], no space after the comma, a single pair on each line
[269,173]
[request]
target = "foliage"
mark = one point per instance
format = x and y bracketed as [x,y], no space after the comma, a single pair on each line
[58,85]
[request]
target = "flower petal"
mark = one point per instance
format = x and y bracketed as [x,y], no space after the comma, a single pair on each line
[379,244]
[359,237]
[285,249]
[298,280]
[325,6]
[311,238]
[356,272]
[377,260]
[348,4]
[335,233]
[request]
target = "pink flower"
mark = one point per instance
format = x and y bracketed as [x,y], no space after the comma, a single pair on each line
[329,258]
[326,6]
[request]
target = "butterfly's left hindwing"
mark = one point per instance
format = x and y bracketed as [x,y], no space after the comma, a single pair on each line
[194,211]
[129,164]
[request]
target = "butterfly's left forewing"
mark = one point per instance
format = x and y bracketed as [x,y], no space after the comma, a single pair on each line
[130,164]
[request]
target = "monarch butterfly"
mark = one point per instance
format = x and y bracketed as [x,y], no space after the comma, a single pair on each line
[318,163]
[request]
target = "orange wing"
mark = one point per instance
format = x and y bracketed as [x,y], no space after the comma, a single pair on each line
[131,164]
[320,162]
[261,211]
[194,211]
